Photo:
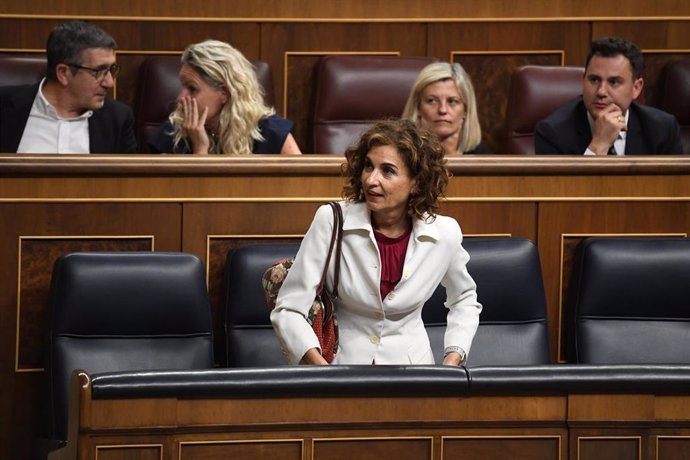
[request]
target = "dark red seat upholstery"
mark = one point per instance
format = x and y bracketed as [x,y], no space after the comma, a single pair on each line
[159,87]
[354,91]
[673,92]
[21,69]
[535,92]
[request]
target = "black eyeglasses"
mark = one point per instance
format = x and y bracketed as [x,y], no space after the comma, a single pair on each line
[99,73]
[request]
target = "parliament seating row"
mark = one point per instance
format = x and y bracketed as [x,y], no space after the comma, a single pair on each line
[250,412]
[352,91]
[365,380]
[512,329]
[149,313]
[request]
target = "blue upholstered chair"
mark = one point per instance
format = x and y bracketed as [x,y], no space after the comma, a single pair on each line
[249,337]
[120,311]
[512,326]
[629,301]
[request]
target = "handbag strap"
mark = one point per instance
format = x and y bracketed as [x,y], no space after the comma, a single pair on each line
[337,241]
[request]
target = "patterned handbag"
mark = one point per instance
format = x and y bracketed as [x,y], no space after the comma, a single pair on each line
[321,315]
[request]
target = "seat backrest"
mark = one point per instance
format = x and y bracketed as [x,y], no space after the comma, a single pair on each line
[124,311]
[535,92]
[21,69]
[353,91]
[513,328]
[629,301]
[159,86]
[673,96]
[249,337]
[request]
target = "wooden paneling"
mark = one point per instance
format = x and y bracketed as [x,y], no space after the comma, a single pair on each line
[207,206]
[32,236]
[514,447]
[361,9]
[471,426]
[373,448]
[278,39]
[558,220]
[241,450]
[491,74]
[489,48]
[490,53]
[36,260]
[672,447]
[605,448]
[130,452]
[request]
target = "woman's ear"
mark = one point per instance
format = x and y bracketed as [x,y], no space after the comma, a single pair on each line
[225,94]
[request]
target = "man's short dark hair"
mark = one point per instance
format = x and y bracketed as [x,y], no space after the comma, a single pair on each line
[613,46]
[68,40]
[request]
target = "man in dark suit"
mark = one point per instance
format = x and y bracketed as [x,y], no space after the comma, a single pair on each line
[605,120]
[69,110]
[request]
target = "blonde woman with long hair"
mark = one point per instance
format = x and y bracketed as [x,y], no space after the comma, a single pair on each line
[442,100]
[220,108]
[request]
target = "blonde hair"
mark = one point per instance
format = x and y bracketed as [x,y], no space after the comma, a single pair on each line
[221,65]
[471,134]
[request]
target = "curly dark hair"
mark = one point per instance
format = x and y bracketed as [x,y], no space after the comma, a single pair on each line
[422,153]
[613,46]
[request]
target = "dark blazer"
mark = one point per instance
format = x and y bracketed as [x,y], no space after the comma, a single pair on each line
[566,131]
[274,129]
[111,128]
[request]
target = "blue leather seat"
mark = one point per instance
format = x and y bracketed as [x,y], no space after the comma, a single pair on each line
[125,311]
[629,301]
[513,328]
[249,337]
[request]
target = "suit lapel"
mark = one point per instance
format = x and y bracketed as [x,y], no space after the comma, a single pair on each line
[584,132]
[14,117]
[634,143]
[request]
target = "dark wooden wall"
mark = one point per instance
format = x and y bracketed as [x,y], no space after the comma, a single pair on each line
[165,212]
[489,38]
[51,205]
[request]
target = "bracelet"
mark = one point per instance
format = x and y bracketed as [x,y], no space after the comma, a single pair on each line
[456,349]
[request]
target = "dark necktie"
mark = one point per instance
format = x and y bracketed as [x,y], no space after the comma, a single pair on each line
[612,151]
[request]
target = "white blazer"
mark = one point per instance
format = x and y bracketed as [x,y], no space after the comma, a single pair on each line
[388,331]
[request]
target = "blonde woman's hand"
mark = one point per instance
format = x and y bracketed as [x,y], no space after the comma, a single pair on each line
[194,127]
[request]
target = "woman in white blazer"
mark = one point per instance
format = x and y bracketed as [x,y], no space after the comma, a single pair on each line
[396,250]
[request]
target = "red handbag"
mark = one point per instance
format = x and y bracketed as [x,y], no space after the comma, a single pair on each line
[321,315]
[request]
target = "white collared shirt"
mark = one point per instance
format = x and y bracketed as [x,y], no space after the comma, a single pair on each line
[619,143]
[47,132]
[384,331]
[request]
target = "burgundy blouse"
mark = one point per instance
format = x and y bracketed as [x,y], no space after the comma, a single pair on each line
[392,252]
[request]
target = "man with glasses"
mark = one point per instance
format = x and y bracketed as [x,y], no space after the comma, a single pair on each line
[69,111]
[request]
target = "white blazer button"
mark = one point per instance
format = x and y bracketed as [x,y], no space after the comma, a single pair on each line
[406,274]
[374,339]
[391,296]
[379,315]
